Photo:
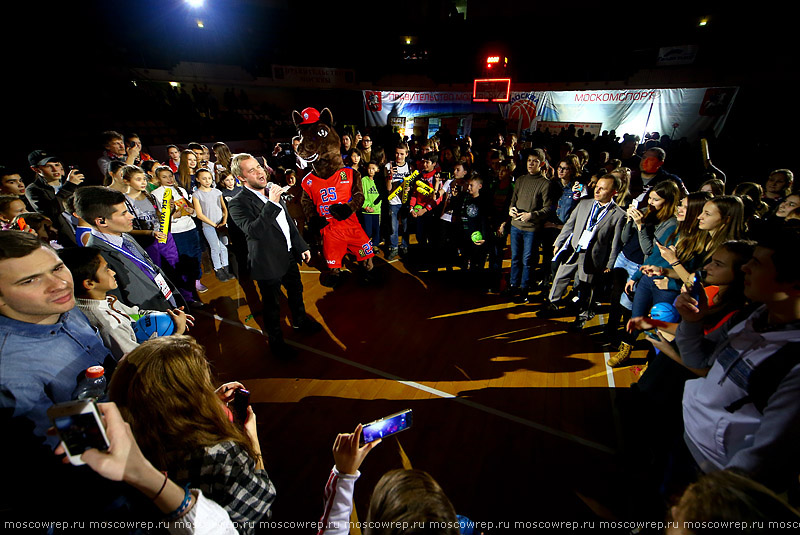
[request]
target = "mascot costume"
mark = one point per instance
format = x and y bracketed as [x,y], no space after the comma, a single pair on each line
[332,193]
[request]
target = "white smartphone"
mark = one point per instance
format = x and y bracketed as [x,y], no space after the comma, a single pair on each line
[390,425]
[80,428]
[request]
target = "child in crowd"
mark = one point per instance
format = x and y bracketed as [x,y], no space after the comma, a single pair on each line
[39,224]
[10,207]
[353,160]
[213,213]
[82,228]
[184,232]
[228,185]
[474,226]
[396,171]
[11,184]
[149,167]
[147,220]
[295,191]
[371,210]
[93,279]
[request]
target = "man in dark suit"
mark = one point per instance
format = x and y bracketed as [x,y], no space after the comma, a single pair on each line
[588,245]
[274,247]
[140,281]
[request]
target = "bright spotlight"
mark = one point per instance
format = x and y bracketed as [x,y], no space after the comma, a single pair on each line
[200,24]
[195,3]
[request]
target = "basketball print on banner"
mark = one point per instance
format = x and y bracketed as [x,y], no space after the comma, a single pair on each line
[524,109]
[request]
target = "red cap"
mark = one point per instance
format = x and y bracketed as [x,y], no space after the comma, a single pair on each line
[93,372]
[310,115]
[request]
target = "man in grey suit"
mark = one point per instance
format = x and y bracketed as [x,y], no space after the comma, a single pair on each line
[588,246]
[141,282]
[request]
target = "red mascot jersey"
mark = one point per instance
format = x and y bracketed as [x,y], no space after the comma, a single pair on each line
[334,190]
[338,237]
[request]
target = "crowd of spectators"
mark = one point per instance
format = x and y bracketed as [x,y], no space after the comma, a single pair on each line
[588,221]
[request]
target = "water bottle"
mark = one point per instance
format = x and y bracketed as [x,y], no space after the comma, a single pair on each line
[93,385]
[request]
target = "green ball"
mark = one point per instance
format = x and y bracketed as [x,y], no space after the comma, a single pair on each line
[477,236]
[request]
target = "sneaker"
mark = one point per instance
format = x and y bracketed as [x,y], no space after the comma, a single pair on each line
[393,253]
[403,250]
[509,292]
[228,272]
[308,326]
[200,287]
[621,356]
[522,296]
[577,324]
[221,275]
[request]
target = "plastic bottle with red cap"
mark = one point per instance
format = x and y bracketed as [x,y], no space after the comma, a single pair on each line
[93,385]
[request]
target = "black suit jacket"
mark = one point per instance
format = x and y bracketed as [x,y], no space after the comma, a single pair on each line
[266,244]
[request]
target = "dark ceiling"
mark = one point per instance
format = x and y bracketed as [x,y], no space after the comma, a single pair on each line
[545,41]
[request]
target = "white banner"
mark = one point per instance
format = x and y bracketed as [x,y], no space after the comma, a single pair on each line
[631,111]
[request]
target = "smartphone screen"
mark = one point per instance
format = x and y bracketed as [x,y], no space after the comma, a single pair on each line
[239,404]
[386,426]
[80,432]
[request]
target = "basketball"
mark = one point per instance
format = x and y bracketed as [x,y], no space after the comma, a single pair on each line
[665,312]
[525,109]
[152,325]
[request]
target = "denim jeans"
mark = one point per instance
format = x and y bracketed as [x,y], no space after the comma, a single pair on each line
[218,249]
[630,268]
[522,254]
[372,227]
[399,226]
[647,295]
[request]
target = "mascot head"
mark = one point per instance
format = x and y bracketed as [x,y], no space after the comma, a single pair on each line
[320,145]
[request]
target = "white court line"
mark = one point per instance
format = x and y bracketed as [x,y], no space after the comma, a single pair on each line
[606,356]
[440,393]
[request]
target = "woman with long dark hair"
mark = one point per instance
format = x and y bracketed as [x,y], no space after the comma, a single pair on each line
[186,170]
[654,222]
[687,242]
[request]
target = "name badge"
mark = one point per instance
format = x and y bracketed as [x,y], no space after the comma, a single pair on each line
[163,286]
[586,238]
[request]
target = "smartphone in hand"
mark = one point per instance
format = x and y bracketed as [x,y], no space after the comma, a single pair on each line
[80,427]
[387,426]
[238,405]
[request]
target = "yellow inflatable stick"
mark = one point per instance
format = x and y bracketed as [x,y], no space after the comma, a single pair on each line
[166,214]
[406,182]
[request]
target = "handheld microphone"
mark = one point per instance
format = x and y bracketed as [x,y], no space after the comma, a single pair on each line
[285,197]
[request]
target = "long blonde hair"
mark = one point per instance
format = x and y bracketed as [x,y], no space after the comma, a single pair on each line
[164,391]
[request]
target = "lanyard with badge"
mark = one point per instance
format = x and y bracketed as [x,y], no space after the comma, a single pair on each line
[153,273]
[589,231]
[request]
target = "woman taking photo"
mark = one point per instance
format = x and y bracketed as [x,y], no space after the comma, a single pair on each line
[655,222]
[690,244]
[164,391]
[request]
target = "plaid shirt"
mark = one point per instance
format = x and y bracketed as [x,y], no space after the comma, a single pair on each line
[226,474]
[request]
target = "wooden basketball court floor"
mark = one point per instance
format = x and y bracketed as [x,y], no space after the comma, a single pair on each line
[513,414]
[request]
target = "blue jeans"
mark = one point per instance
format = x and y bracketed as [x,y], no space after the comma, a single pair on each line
[399,226]
[372,227]
[631,268]
[647,295]
[217,245]
[522,254]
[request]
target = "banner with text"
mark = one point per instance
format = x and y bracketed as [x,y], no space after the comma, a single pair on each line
[686,111]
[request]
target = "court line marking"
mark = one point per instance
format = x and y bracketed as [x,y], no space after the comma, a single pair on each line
[606,356]
[446,395]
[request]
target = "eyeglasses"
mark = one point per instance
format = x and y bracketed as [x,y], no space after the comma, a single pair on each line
[366,140]
[563,168]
